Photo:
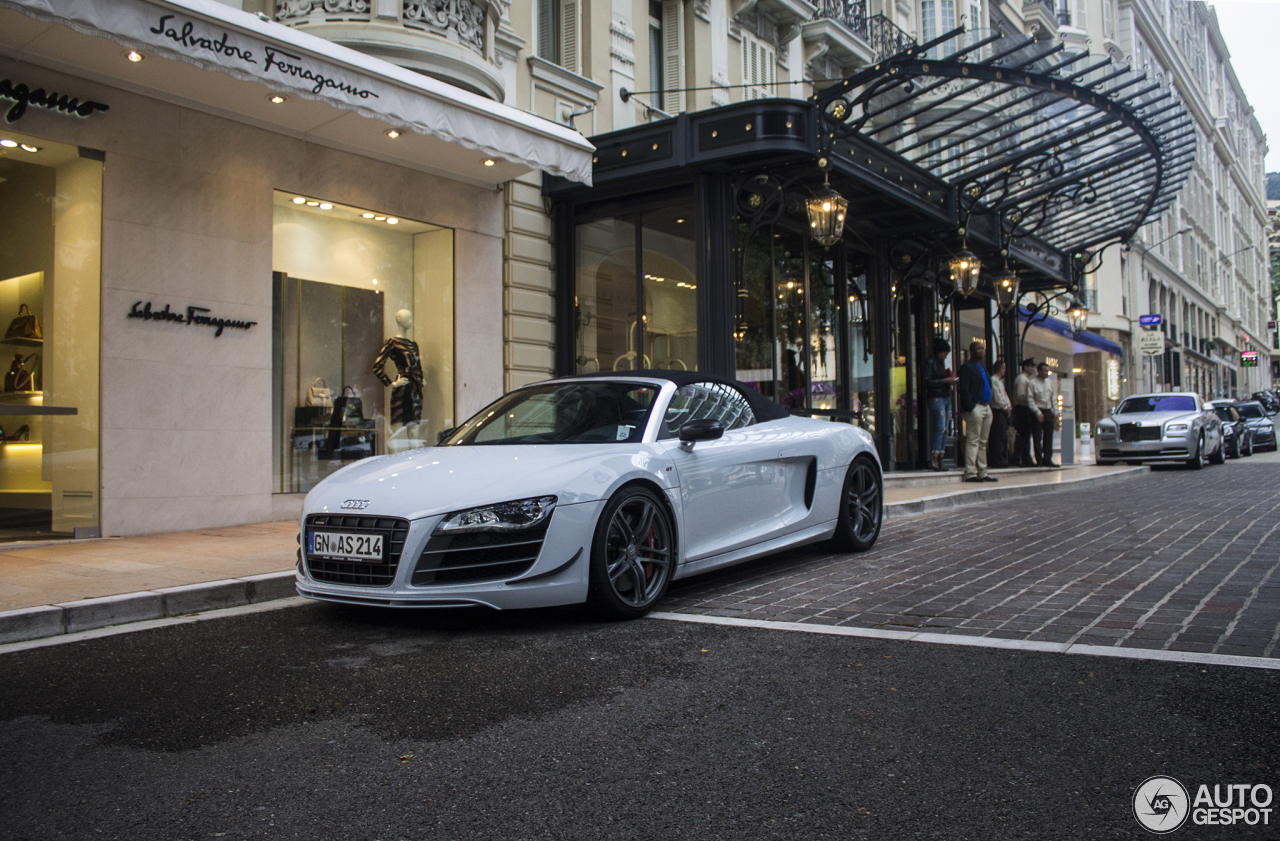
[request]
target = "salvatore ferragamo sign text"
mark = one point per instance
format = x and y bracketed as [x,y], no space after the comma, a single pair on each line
[192,315]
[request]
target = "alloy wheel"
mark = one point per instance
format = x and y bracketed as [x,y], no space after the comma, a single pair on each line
[864,502]
[638,551]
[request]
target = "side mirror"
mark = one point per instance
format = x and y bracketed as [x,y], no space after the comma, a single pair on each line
[445,433]
[700,430]
[1111,411]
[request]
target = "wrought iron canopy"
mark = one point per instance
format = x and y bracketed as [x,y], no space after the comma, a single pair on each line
[1072,149]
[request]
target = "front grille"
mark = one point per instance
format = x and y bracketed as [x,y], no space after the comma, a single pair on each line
[1133,432]
[363,574]
[478,556]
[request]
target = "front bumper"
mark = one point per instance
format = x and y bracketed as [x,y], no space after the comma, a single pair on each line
[557,577]
[1168,449]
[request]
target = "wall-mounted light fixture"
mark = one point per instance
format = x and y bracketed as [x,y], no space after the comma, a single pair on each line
[827,210]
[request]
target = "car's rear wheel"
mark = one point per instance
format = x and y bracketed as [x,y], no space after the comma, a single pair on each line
[1196,462]
[1248,449]
[861,507]
[633,554]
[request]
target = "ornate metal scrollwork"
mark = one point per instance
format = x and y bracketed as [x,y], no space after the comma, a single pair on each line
[461,20]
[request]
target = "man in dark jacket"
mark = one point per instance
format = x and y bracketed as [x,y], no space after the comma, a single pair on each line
[975,400]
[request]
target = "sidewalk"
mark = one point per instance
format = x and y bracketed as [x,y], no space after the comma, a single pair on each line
[48,589]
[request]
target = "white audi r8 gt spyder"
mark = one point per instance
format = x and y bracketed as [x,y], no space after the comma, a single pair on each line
[601,488]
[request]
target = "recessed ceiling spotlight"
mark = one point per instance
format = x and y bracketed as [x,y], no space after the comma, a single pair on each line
[276,99]
[313,204]
[324,205]
[392,133]
[375,280]
[299,200]
[379,218]
[134,56]
[27,147]
[391,220]
[9,144]
[488,161]
[367,215]
[679,221]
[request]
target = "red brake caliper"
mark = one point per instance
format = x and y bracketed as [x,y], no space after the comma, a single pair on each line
[648,566]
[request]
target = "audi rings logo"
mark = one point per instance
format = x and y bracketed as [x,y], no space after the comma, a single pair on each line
[1161,804]
[355,504]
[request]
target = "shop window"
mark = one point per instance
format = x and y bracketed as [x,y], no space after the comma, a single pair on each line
[50,309]
[362,337]
[636,302]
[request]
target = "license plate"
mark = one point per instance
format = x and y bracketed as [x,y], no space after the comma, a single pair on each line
[346,547]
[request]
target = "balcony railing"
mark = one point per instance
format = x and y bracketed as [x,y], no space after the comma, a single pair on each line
[884,37]
[462,21]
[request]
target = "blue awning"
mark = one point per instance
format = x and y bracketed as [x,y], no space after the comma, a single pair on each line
[1091,341]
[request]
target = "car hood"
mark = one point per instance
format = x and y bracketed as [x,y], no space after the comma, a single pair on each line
[438,480]
[1153,418]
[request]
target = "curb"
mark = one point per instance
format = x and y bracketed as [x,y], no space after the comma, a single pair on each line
[83,615]
[943,502]
[87,614]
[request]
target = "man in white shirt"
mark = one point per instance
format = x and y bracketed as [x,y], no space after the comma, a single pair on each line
[1026,416]
[1046,400]
[1001,411]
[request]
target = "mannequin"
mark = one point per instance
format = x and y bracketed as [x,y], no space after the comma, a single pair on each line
[406,389]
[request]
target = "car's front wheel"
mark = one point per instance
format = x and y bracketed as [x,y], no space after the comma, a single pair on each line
[1219,456]
[861,507]
[633,554]
[1196,462]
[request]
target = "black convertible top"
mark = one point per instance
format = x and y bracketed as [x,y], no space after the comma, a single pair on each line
[764,408]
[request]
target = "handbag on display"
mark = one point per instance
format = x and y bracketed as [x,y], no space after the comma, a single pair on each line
[319,394]
[25,326]
[22,373]
[348,408]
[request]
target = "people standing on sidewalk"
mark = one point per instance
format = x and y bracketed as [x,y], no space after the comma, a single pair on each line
[1026,416]
[975,403]
[1001,410]
[1046,401]
[937,391]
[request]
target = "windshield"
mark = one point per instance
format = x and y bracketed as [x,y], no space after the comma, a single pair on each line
[1173,403]
[1252,411]
[563,413]
[1225,413]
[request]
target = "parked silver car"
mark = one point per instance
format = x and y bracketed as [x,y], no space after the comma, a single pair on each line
[1164,427]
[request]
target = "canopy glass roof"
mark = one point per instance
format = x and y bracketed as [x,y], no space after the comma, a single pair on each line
[1074,149]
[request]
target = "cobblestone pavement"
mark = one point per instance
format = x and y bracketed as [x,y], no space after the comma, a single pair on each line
[1170,559]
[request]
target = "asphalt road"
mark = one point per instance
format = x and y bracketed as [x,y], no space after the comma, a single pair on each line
[324,722]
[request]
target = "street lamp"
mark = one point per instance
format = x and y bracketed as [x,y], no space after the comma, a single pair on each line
[1077,316]
[826,211]
[965,269]
[1006,283]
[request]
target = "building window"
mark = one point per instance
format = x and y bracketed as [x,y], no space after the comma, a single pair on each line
[50,303]
[759,68]
[362,337]
[636,291]
[557,30]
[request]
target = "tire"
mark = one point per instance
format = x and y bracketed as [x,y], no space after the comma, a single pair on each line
[1219,456]
[1235,449]
[633,554]
[861,507]
[1197,460]
[1105,462]
[1248,451]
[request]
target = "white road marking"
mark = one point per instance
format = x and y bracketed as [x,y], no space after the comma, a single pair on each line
[128,628]
[982,642]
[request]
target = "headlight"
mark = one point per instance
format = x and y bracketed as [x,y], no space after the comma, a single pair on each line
[1176,427]
[1107,431]
[505,516]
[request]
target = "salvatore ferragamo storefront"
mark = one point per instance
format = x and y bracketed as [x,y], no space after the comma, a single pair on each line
[229,262]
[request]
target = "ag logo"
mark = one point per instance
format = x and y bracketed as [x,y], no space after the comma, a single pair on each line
[356,504]
[1161,804]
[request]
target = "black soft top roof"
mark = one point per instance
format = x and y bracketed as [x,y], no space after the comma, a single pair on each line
[764,408]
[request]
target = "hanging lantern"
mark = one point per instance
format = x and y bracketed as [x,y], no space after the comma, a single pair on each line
[826,214]
[1006,283]
[965,268]
[1077,316]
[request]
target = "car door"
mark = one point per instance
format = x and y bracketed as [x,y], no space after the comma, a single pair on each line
[737,490]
